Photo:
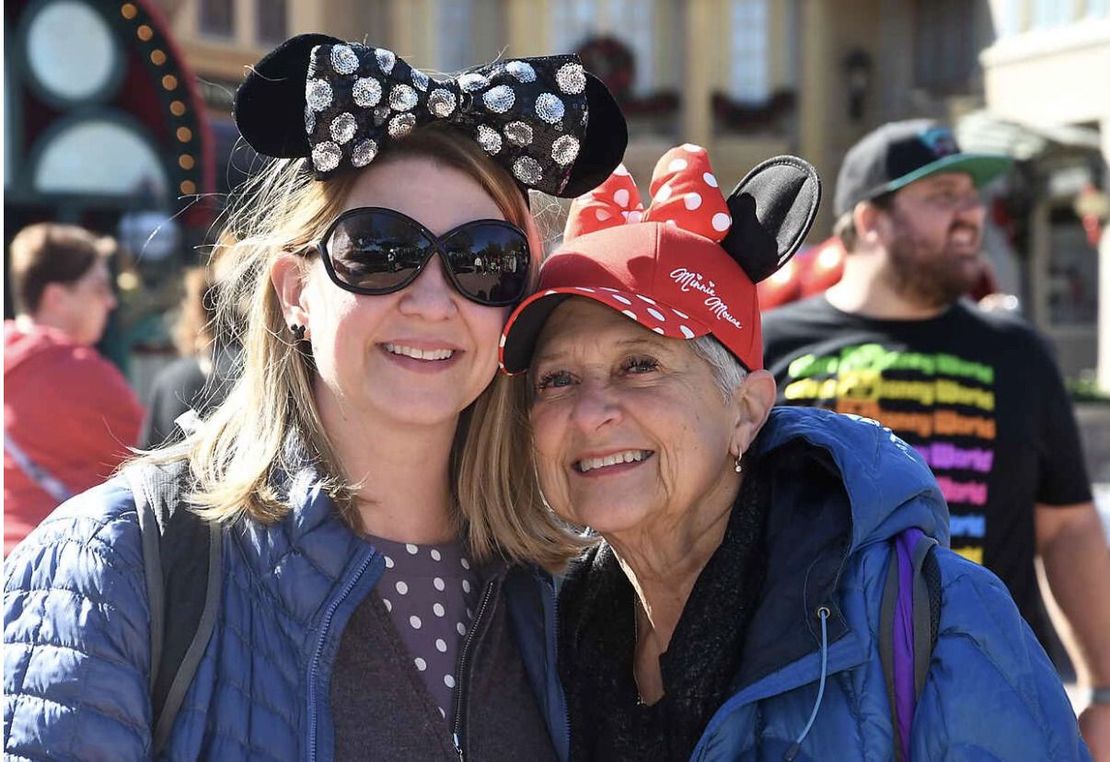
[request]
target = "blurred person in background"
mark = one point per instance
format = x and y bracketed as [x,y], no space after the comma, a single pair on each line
[69,414]
[977,392]
[202,377]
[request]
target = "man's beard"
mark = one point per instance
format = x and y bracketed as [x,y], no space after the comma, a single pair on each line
[928,277]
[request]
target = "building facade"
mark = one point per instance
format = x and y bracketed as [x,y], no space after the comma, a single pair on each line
[752,78]
[1048,73]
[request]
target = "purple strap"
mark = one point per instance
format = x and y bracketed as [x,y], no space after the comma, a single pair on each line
[905,697]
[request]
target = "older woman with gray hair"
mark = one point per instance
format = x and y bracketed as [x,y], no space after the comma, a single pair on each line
[769,583]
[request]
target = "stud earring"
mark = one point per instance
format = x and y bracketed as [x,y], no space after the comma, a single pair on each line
[298,331]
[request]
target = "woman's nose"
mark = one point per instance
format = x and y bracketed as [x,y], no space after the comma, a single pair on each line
[595,405]
[431,295]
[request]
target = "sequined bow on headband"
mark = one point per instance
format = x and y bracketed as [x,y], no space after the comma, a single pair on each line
[684,193]
[546,120]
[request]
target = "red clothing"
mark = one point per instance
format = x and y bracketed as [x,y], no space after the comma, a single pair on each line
[72,413]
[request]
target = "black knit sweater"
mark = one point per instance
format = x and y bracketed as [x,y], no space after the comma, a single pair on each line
[597,640]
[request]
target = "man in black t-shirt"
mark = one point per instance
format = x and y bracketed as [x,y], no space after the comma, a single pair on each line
[978,394]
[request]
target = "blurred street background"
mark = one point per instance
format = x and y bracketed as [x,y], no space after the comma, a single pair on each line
[117,116]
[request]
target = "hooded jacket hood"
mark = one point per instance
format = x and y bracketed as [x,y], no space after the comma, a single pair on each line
[889,486]
[838,485]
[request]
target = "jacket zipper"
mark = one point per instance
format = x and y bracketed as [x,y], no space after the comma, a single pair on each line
[464,664]
[314,664]
[837,663]
[553,637]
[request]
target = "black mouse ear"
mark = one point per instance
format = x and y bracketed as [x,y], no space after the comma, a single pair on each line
[772,210]
[269,105]
[604,143]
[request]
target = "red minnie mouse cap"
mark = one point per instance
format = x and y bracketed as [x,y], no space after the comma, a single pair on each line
[683,268]
[669,280]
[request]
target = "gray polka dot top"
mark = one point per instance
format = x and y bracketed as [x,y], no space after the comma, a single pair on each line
[431,592]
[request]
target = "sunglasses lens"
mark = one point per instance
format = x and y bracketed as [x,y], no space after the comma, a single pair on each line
[489,262]
[376,253]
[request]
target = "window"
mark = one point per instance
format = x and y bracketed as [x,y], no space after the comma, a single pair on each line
[1008,17]
[630,21]
[271,24]
[73,53]
[217,17]
[1049,13]
[1098,9]
[572,22]
[126,160]
[749,80]
[946,55]
[456,35]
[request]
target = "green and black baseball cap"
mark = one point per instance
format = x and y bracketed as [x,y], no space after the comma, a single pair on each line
[898,153]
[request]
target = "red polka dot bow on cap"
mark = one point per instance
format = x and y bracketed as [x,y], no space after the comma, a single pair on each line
[686,266]
[684,194]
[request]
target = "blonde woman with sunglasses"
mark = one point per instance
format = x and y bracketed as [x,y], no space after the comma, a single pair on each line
[379,595]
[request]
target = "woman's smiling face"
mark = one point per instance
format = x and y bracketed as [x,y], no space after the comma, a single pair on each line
[422,354]
[631,430]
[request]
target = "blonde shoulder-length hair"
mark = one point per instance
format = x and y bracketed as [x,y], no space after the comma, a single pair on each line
[237,454]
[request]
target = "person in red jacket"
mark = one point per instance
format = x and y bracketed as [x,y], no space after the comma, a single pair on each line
[69,414]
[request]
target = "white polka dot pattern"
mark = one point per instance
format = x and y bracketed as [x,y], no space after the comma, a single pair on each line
[684,193]
[429,593]
[646,311]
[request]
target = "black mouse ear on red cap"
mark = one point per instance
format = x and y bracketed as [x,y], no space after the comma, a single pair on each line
[270,104]
[605,140]
[772,210]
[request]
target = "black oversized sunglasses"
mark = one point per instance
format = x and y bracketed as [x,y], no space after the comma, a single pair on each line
[378,251]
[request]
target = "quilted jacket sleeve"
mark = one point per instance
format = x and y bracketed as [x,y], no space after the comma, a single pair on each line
[77,635]
[991,692]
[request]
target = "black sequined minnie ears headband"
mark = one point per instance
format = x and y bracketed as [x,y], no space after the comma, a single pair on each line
[550,123]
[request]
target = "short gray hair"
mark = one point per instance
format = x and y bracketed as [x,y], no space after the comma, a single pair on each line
[727,370]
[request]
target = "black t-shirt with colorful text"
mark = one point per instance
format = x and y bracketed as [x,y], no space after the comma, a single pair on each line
[977,394]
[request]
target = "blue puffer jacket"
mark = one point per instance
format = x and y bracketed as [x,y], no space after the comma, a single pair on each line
[77,636]
[991,693]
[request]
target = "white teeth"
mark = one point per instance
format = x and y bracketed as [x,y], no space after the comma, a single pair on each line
[628,456]
[419,354]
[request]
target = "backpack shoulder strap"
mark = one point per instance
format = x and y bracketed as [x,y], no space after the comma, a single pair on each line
[926,614]
[908,626]
[183,560]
